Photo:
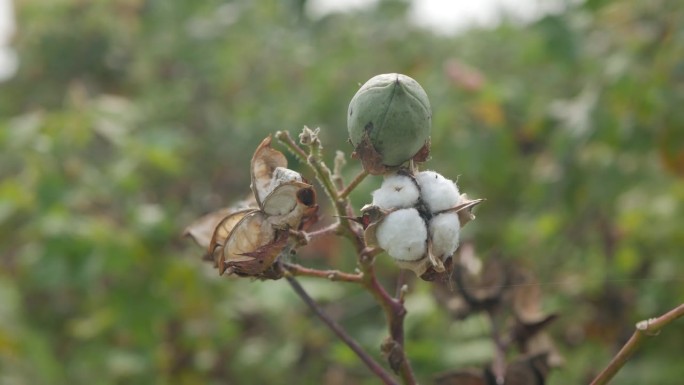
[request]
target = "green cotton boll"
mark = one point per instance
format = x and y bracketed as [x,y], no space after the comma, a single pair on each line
[394,111]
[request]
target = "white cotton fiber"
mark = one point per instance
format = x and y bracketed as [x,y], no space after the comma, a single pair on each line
[280,176]
[444,231]
[403,235]
[396,191]
[283,175]
[437,192]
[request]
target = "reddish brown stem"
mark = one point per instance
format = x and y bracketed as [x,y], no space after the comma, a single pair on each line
[395,312]
[393,308]
[352,185]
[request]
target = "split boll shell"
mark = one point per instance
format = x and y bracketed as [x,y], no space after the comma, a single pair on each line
[393,112]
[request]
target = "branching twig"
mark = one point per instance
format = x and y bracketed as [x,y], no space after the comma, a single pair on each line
[352,185]
[319,168]
[332,275]
[647,328]
[395,312]
[285,138]
[341,333]
[394,309]
[325,231]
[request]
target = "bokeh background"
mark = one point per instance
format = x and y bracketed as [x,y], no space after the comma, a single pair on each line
[127,119]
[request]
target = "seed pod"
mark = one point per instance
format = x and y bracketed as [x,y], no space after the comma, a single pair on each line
[247,241]
[245,244]
[389,122]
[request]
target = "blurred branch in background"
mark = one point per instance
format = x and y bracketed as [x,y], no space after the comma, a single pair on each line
[647,328]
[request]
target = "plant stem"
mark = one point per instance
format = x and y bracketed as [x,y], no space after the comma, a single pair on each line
[395,312]
[325,231]
[285,138]
[315,163]
[352,185]
[646,328]
[333,275]
[341,333]
[394,309]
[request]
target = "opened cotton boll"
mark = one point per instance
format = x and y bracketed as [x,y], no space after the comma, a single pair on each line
[396,191]
[444,231]
[403,235]
[438,192]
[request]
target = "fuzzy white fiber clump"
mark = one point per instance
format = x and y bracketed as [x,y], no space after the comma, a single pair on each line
[444,231]
[403,235]
[438,192]
[281,175]
[396,191]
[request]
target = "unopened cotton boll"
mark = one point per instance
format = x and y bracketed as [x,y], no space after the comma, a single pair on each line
[438,192]
[444,231]
[396,191]
[403,235]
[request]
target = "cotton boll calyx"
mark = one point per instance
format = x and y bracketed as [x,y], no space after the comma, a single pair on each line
[444,232]
[438,192]
[403,235]
[396,191]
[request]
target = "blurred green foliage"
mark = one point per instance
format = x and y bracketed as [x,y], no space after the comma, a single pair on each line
[129,118]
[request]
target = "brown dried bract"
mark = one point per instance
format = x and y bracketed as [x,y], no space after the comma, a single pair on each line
[431,274]
[264,162]
[424,153]
[464,209]
[370,158]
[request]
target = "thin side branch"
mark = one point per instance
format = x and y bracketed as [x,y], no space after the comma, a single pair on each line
[332,275]
[352,185]
[646,328]
[394,309]
[341,333]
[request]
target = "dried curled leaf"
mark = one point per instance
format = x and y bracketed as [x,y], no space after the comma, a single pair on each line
[484,289]
[264,163]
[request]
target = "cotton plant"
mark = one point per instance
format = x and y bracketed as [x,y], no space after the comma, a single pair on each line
[415,216]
